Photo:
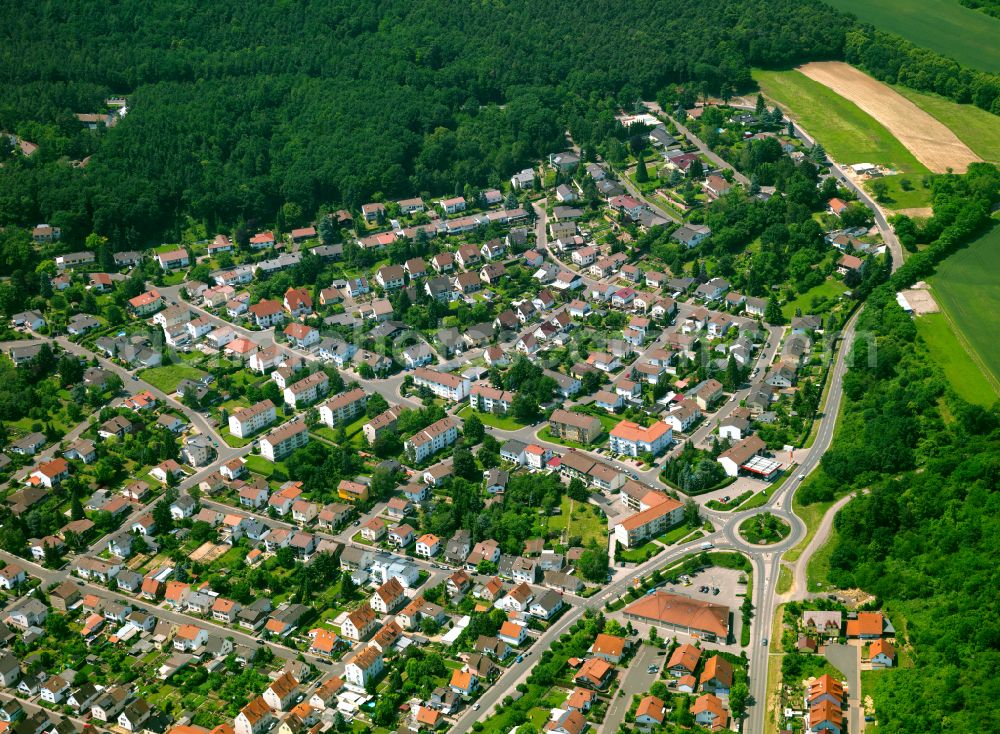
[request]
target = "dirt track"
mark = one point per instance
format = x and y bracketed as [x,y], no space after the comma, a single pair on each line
[934,145]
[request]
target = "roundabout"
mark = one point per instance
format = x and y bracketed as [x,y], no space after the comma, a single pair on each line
[764,529]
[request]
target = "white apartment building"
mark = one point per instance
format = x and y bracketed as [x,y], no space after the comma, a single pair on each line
[433,438]
[343,408]
[490,400]
[307,390]
[442,384]
[281,442]
[248,421]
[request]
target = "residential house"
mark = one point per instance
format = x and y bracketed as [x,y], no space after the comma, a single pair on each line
[364,666]
[594,673]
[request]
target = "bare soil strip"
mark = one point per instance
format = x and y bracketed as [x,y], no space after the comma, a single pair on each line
[933,144]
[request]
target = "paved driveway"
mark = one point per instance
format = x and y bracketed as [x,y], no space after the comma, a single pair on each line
[847,659]
[635,680]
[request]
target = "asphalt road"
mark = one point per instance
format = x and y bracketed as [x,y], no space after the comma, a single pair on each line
[847,659]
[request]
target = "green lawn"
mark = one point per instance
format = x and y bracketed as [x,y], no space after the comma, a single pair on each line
[168,376]
[259,465]
[607,420]
[673,535]
[945,26]
[640,553]
[580,518]
[848,134]
[899,198]
[977,128]
[967,288]
[757,500]
[503,422]
[546,435]
[235,441]
[352,430]
[816,300]
[948,353]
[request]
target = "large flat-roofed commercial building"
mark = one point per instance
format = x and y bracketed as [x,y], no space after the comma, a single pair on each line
[691,616]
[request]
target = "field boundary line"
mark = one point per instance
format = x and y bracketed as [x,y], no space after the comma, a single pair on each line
[966,344]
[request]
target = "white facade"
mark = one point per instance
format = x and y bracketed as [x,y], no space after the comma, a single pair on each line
[250,420]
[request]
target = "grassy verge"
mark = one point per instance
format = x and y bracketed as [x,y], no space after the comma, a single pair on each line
[784,579]
[773,691]
[818,570]
[848,134]
[811,515]
[758,500]
[731,505]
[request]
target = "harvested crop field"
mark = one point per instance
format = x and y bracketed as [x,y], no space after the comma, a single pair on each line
[933,144]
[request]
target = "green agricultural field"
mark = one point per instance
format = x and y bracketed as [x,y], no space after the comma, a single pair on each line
[977,128]
[848,134]
[945,26]
[167,377]
[967,288]
[949,354]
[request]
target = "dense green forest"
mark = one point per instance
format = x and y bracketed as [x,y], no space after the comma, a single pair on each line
[242,111]
[924,539]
